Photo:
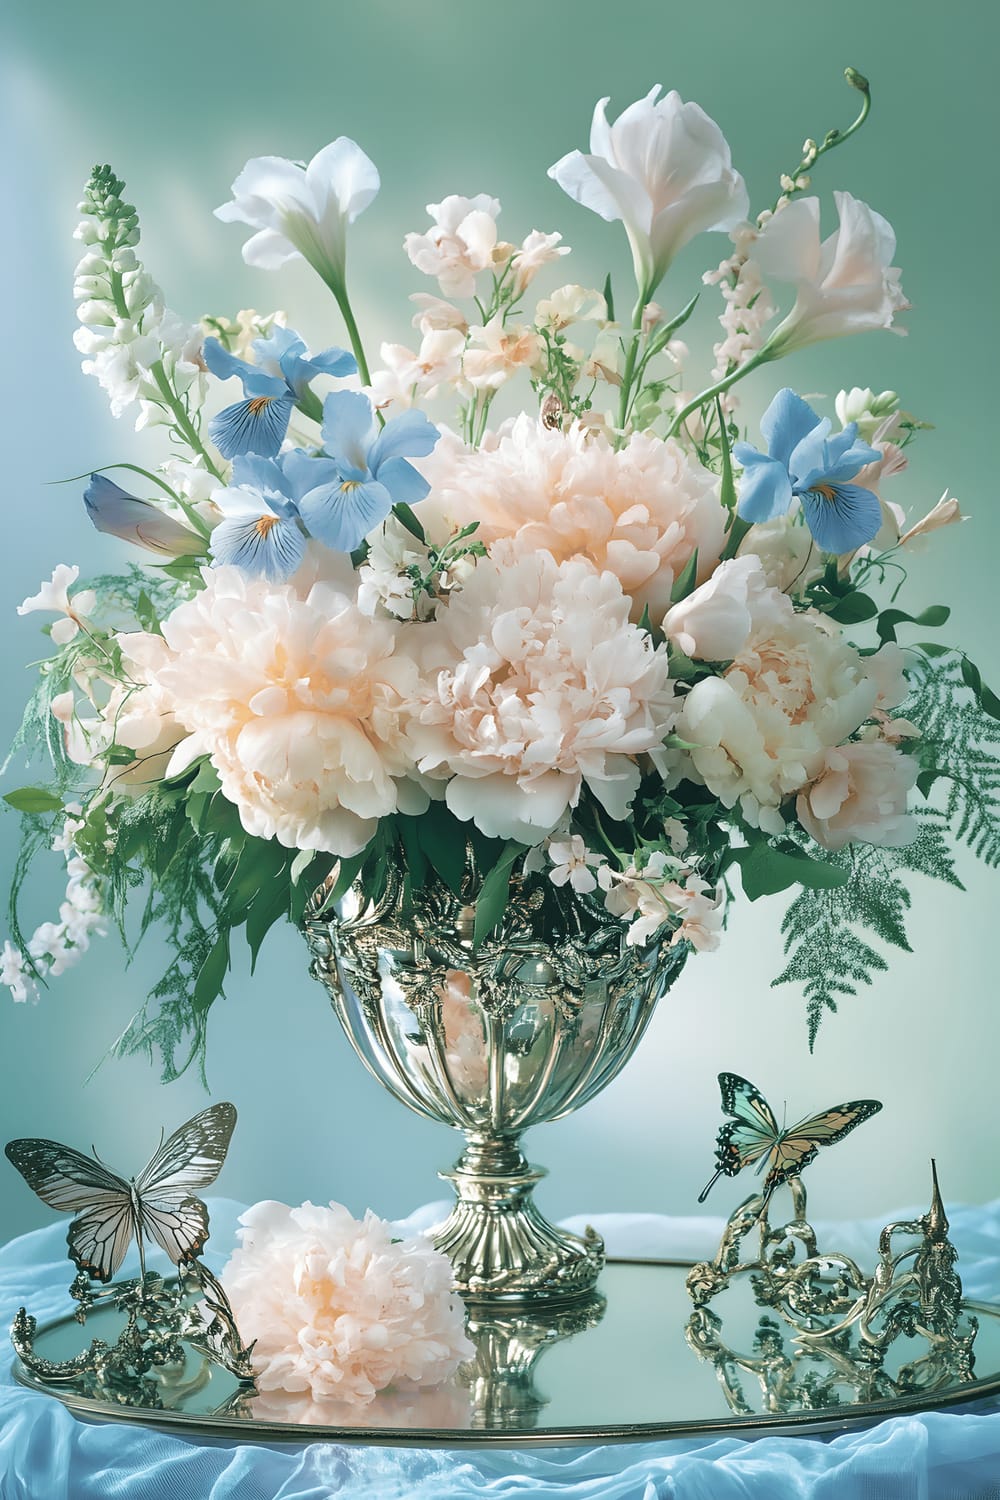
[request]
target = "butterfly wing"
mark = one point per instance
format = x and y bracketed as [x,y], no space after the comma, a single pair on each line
[796,1148]
[749,1135]
[191,1158]
[73,1183]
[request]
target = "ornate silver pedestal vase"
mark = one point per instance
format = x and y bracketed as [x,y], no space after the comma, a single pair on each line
[493,1040]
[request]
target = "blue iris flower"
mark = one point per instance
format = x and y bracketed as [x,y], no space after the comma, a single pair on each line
[362,472]
[271,388]
[260,531]
[804,461]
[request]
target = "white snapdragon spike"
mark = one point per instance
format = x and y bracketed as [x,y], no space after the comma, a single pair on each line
[302,212]
[54,596]
[844,284]
[497,353]
[537,250]
[665,170]
[408,377]
[749,304]
[573,863]
[55,947]
[460,244]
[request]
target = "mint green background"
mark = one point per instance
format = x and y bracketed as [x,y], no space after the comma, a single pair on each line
[471,97]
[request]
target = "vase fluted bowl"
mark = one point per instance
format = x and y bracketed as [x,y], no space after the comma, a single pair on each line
[492,1040]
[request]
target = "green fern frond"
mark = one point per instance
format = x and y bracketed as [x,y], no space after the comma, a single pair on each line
[959,746]
[830,957]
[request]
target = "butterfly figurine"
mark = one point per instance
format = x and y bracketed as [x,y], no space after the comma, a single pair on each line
[754,1135]
[158,1204]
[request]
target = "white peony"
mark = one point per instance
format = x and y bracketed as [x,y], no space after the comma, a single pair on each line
[534,685]
[712,623]
[339,1307]
[296,700]
[794,689]
[639,512]
[860,795]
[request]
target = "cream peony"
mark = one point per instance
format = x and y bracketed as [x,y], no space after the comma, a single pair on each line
[295,700]
[638,513]
[786,551]
[535,684]
[712,623]
[794,689]
[860,795]
[338,1307]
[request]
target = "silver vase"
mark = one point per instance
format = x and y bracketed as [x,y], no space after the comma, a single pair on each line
[491,1040]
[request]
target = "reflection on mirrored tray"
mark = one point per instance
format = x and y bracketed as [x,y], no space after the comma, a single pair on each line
[631,1361]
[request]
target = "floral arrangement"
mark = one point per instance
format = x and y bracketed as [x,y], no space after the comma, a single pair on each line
[614,643]
[339,1309]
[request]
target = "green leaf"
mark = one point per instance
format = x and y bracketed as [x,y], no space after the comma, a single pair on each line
[767,870]
[442,839]
[853,608]
[933,648]
[268,908]
[609,298]
[211,975]
[403,513]
[684,583]
[413,853]
[727,492]
[972,677]
[738,529]
[934,616]
[33,799]
[146,614]
[495,893]
[300,864]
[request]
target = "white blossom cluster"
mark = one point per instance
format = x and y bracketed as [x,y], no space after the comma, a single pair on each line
[749,304]
[57,946]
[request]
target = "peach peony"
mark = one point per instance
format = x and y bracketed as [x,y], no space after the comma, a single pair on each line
[534,683]
[860,795]
[339,1308]
[793,689]
[639,512]
[296,700]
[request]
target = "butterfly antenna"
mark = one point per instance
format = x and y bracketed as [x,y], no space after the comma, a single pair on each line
[706,1190]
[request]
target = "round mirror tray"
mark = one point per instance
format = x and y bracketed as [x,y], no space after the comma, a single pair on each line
[632,1363]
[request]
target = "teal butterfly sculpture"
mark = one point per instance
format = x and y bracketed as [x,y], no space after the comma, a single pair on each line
[753,1135]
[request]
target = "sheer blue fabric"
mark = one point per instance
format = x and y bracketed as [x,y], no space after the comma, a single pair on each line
[46,1454]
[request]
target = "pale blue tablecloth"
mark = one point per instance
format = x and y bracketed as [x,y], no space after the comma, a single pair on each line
[46,1454]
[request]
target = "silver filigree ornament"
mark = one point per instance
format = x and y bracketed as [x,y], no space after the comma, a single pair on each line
[166,1320]
[842,1323]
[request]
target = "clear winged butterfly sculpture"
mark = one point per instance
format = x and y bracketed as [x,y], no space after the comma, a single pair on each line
[158,1206]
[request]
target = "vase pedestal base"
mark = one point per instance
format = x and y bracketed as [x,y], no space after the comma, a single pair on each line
[501,1246]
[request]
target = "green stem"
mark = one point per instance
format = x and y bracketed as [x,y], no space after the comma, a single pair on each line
[760,358]
[834,137]
[350,322]
[182,421]
[628,374]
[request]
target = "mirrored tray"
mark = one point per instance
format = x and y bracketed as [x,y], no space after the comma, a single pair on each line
[626,1364]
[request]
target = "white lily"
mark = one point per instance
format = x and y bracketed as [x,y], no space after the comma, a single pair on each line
[664,169]
[844,284]
[302,211]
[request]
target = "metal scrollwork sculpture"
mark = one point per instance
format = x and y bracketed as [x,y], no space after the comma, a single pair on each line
[164,1319]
